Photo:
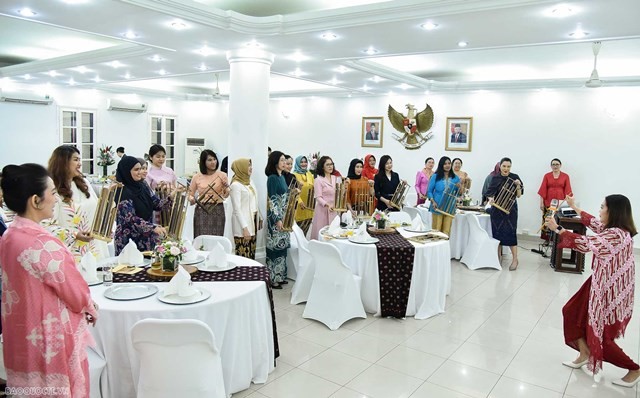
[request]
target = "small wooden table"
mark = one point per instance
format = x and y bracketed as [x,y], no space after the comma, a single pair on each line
[560,262]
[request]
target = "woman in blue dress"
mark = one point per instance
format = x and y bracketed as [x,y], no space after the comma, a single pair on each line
[442,179]
[277,239]
[504,225]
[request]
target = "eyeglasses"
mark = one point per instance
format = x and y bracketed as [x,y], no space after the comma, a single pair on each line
[328,164]
[555,164]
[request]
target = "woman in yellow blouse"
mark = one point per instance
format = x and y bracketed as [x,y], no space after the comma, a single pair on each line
[211,223]
[304,215]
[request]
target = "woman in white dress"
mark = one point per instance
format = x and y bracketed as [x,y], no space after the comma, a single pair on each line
[246,216]
[76,204]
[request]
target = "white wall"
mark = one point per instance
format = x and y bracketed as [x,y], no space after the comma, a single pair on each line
[593,131]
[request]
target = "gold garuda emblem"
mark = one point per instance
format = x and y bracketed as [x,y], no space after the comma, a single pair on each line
[414,127]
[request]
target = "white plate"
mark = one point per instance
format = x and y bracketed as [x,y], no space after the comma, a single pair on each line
[364,242]
[199,259]
[420,231]
[146,262]
[130,291]
[230,265]
[201,295]
[95,283]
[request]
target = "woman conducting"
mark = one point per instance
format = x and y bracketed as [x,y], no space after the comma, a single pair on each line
[440,181]
[601,309]
[246,219]
[134,217]
[504,225]
[277,239]
[47,306]
[212,182]
[305,179]
[76,204]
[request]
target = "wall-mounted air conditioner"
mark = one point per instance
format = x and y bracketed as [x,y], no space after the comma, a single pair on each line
[25,98]
[192,150]
[122,106]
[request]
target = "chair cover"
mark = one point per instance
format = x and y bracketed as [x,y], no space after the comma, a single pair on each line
[208,241]
[482,250]
[399,217]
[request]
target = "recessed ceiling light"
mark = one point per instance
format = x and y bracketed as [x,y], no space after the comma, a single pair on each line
[390,93]
[298,72]
[178,25]
[127,75]
[342,69]
[130,34]
[81,69]
[27,77]
[116,64]
[429,25]
[365,88]
[156,58]
[376,79]
[298,57]
[462,44]
[579,34]
[403,86]
[562,11]
[27,12]
[53,73]
[329,36]
[97,79]
[334,81]
[206,51]
[72,82]
[253,44]
[162,72]
[370,51]
[202,67]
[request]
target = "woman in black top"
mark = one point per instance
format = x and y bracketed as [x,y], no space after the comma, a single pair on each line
[385,183]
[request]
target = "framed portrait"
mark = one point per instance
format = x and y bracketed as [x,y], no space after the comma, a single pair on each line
[459,134]
[372,131]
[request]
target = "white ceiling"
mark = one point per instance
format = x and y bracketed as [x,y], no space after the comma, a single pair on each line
[511,44]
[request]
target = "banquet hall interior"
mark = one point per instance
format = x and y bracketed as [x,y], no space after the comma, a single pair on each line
[533,80]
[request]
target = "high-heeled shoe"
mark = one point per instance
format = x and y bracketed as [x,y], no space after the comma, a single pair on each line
[513,267]
[622,383]
[276,286]
[574,365]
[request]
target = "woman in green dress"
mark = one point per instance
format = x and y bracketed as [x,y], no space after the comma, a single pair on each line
[277,239]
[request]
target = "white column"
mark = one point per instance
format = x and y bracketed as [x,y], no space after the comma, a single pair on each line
[248,117]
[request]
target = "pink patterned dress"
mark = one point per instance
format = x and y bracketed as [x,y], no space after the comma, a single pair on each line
[44,307]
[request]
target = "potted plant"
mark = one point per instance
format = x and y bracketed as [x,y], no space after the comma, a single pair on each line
[106,157]
[170,253]
[379,219]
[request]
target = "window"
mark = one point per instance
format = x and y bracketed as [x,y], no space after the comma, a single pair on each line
[78,129]
[163,132]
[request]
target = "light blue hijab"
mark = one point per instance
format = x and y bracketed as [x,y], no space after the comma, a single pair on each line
[297,168]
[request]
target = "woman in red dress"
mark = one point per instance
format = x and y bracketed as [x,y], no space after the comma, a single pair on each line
[555,185]
[601,310]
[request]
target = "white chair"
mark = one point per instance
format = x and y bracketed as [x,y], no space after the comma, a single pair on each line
[335,293]
[292,258]
[481,249]
[304,279]
[411,199]
[412,212]
[206,242]
[178,358]
[96,367]
[399,217]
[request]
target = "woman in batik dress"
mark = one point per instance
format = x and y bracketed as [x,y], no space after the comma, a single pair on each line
[277,239]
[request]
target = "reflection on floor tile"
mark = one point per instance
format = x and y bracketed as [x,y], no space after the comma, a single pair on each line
[500,337]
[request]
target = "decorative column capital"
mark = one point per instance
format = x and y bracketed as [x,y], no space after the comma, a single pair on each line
[250,55]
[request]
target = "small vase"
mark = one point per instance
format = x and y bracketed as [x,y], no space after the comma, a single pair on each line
[104,170]
[381,224]
[169,264]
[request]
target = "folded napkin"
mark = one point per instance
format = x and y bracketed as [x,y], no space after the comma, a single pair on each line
[417,224]
[87,268]
[361,233]
[334,228]
[217,258]
[130,255]
[180,284]
[347,218]
[191,254]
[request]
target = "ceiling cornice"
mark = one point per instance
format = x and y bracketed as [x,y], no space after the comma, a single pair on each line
[388,73]
[71,61]
[393,11]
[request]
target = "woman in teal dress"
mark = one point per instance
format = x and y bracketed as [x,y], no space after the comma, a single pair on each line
[277,239]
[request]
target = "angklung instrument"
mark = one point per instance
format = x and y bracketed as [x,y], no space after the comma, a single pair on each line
[210,197]
[397,200]
[105,217]
[506,197]
[363,200]
[448,203]
[340,197]
[293,193]
[177,213]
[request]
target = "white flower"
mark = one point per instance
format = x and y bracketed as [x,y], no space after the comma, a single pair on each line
[174,251]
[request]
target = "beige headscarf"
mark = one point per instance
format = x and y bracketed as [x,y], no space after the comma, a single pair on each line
[240,168]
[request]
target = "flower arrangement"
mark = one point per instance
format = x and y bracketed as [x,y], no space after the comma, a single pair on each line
[379,219]
[313,161]
[466,198]
[105,158]
[170,253]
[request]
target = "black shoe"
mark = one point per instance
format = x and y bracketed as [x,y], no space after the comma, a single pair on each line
[276,286]
[284,282]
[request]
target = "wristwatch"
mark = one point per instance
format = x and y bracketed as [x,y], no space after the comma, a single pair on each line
[560,228]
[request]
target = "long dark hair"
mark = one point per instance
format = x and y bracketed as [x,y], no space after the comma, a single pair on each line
[20,183]
[440,169]
[272,163]
[320,165]
[203,160]
[59,171]
[620,215]
[383,161]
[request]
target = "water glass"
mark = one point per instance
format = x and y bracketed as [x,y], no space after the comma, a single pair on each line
[107,274]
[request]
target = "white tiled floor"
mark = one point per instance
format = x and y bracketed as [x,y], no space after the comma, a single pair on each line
[501,337]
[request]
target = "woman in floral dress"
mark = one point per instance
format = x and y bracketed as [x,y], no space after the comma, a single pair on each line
[76,204]
[277,239]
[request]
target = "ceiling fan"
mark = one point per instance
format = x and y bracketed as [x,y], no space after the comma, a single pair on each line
[594,80]
[216,92]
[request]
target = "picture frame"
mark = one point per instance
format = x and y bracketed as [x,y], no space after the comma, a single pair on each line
[372,131]
[459,133]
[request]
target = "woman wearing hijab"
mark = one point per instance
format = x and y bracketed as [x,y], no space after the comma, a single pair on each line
[134,219]
[358,184]
[245,218]
[369,170]
[304,215]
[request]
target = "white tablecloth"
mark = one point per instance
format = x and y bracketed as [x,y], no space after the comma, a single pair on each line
[430,280]
[238,313]
[459,238]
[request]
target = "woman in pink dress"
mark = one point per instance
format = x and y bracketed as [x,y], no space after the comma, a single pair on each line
[324,188]
[601,310]
[46,304]
[422,180]
[555,185]
[159,174]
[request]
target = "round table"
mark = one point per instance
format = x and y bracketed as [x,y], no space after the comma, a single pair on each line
[430,280]
[238,313]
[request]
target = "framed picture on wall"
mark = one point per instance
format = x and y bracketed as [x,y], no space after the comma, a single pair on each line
[458,134]
[372,131]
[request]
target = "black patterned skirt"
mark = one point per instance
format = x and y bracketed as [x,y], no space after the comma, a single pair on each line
[245,248]
[209,223]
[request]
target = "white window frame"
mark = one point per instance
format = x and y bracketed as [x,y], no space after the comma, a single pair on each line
[87,157]
[153,135]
